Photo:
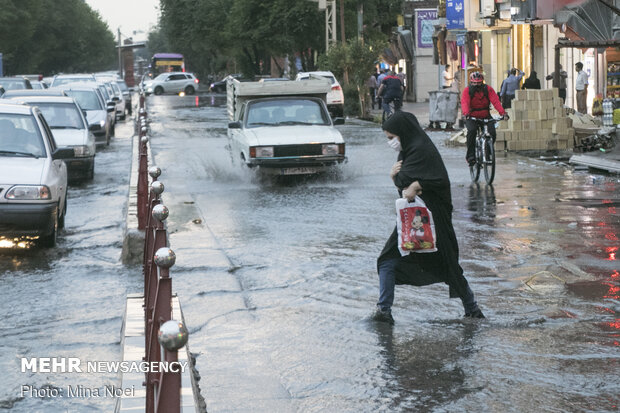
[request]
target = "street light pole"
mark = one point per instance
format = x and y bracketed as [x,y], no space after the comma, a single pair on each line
[120,61]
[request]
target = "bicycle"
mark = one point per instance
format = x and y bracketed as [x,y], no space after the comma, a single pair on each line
[485,152]
[394,105]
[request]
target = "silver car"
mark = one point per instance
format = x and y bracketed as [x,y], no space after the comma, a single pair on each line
[173,82]
[33,176]
[70,129]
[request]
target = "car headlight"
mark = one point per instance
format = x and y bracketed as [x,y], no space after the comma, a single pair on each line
[331,149]
[28,192]
[101,124]
[261,152]
[81,151]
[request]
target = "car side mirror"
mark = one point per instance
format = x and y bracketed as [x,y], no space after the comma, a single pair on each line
[63,153]
[116,98]
[234,125]
[338,121]
[84,113]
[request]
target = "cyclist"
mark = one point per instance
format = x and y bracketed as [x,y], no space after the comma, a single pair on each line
[475,102]
[391,90]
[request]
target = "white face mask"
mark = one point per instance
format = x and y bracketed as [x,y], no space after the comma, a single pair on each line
[394,144]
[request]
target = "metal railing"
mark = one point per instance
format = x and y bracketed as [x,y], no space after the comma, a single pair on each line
[163,336]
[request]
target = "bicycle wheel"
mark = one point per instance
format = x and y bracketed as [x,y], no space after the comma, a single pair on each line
[474,170]
[489,160]
[386,115]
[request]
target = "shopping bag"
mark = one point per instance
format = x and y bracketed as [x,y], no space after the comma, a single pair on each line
[416,228]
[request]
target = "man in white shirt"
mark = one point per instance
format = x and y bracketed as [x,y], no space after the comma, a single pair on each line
[446,78]
[581,85]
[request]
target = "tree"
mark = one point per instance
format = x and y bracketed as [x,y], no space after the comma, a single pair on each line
[358,60]
[49,37]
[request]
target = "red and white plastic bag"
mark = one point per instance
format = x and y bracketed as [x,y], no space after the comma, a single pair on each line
[416,228]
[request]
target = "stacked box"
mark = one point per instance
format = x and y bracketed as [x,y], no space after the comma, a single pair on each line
[538,121]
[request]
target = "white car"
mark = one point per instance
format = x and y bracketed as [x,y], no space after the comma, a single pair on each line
[33,175]
[286,135]
[173,82]
[70,129]
[335,98]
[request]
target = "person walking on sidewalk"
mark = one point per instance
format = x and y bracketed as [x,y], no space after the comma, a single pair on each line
[531,82]
[420,171]
[371,84]
[475,102]
[562,85]
[510,86]
[581,85]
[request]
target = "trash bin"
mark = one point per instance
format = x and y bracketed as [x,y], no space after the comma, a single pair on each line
[443,106]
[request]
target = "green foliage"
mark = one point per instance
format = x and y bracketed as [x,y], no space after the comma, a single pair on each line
[49,36]
[243,35]
[351,100]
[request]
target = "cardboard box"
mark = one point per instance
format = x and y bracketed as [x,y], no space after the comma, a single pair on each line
[533,94]
[557,102]
[521,94]
[556,94]
[546,94]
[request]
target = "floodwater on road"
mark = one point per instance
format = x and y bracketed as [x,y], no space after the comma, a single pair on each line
[539,248]
[279,315]
[69,301]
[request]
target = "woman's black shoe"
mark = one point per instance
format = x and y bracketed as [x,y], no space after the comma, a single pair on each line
[477,313]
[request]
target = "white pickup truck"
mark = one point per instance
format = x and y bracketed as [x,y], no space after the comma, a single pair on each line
[283,127]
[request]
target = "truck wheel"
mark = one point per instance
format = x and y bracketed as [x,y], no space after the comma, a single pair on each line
[158,90]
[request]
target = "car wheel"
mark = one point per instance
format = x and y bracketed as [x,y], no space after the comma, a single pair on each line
[61,221]
[49,241]
[158,90]
[189,90]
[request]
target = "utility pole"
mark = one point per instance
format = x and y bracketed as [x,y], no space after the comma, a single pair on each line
[342,36]
[120,62]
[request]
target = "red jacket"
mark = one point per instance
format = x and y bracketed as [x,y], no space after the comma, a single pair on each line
[478,106]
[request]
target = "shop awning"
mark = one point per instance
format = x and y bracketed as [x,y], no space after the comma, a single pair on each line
[593,20]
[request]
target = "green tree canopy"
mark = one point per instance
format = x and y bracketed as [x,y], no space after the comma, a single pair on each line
[49,36]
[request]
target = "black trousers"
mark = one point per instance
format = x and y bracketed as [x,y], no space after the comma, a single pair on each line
[562,94]
[472,129]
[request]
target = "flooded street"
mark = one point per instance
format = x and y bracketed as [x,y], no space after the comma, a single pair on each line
[277,281]
[291,311]
[69,301]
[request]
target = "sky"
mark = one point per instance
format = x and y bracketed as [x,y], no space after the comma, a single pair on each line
[129,15]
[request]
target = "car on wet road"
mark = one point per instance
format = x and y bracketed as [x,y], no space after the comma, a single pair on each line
[283,128]
[33,175]
[173,82]
[70,129]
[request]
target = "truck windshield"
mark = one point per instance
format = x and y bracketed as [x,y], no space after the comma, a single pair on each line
[286,112]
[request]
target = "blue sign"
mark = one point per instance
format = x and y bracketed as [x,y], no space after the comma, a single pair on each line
[455,14]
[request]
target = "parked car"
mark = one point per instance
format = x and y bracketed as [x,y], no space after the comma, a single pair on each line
[38,85]
[99,115]
[220,85]
[33,92]
[172,82]
[72,78]
[33,175]
[70,129]
[335,98]
[14,83]
[126,95]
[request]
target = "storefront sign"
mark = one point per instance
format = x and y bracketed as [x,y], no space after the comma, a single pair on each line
[455,14]
[426,20]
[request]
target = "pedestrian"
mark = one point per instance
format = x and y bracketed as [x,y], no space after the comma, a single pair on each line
[382,75]
[531,82]
[511,84]
[503,97]
[562,85]
[371,84]
[581,85]
[446,78]
[420,171]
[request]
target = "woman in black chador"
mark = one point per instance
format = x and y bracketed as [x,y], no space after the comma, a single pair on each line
[421,171]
